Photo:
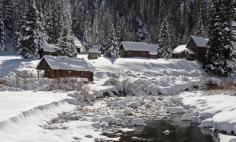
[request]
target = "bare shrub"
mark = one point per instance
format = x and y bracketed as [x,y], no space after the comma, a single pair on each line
[67,84]
[220,85]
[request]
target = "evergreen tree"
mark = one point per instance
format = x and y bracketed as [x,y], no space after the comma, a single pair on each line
[165,41]
[31,39]
[220,36]
[67,44]
[2,30]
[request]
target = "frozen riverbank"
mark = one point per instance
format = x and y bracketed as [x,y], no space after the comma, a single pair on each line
[217,110]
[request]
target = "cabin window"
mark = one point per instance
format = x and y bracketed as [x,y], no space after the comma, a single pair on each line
[129,53]
[69,72]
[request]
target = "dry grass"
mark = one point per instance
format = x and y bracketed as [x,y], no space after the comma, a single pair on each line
[224,85]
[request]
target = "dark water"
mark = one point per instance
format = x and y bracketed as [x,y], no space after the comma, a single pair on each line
[154,132]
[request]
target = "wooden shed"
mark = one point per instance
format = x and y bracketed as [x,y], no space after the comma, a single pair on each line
[94,52]
[65,67]
[49,49]
[138,49]
[197,48]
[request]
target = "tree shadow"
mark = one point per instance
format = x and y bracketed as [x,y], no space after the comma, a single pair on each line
[112,59]
[10,65]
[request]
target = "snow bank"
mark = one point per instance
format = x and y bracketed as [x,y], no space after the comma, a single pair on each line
[180,49]
[217,109]
[18,102]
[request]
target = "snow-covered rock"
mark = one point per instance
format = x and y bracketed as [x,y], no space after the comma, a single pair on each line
[206,115]
[167,132]
[208,123]
[137,122]
[187,117]
[108,119]
[175,110]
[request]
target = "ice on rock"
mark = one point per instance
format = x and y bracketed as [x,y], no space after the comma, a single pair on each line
[175,110]
[167,132]
[104,124]
[137,122]
[208,123]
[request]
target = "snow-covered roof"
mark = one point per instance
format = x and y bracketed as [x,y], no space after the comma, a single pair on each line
[180,49]
[190,51]
[77,42]
[50,48]
[140,46]
[200,41]
[66,63]
[95,49]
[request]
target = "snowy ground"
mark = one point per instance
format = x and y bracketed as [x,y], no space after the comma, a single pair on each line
[49,116]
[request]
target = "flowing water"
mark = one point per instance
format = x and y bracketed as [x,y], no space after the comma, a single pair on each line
[167,131]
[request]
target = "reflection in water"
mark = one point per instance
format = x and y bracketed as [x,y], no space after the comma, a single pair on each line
[155,132]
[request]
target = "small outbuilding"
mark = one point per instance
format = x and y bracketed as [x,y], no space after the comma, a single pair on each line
[65,67]
[197,48]
[138,49]
[94,52]
[49,49]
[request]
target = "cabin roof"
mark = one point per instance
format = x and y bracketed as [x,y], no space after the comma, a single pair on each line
[95,49]
[200,41]
[140,46]
[50,48]
[66,63]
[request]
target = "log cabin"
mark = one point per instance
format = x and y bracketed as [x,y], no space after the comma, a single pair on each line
[197,48]
[65,67]
[94,52]
[49,49]
[138,49]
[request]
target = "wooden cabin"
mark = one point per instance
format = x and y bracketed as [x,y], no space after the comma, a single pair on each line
[49,49]
[197,48]
[65,67]
[138,49]
[94,52]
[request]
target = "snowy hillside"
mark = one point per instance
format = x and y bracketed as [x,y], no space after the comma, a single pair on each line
[150,76]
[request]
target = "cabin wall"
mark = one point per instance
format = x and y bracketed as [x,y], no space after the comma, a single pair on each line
[200,52]
[68,74]
[191,45]
[93,55]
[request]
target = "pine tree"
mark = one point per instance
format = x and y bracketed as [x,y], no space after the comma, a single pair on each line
[31,39]
[66,39]
[165,41]
[67,44]
[2,30]
[220,34]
